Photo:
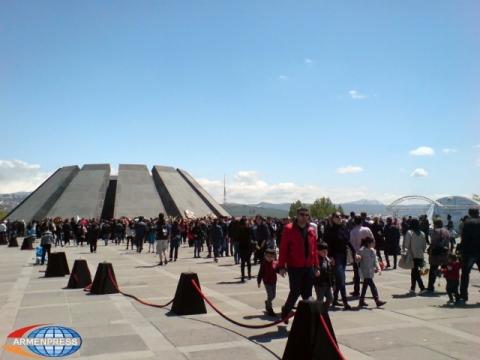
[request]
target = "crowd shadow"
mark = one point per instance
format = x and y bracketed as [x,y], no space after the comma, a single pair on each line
[229,282]
[260,317]
[457,306]
[146,266]
[403,296]
[280,333]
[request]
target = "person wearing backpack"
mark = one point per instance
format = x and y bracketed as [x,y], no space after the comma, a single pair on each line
[438,252]
[415,243]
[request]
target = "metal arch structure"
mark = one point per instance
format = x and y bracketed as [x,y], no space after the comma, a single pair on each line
[414,197]
[393,207]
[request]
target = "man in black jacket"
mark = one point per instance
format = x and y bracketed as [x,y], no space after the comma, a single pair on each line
[261,235]
[470,249]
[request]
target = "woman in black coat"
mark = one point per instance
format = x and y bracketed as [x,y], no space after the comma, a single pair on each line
[244,248]
[392,242]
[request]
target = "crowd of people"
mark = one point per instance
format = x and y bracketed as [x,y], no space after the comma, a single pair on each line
[314,253]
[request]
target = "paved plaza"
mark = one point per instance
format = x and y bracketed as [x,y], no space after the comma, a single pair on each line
[117,327]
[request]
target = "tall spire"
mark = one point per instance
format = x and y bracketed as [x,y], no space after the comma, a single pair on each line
[224,189]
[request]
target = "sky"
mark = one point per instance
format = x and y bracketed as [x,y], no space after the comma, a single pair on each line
[288,100]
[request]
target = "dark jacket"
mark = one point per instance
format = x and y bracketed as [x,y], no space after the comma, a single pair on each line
[326,277]
[216,234]
[470,245]
[337,238]
[392,240]
[244,246]
[267,272]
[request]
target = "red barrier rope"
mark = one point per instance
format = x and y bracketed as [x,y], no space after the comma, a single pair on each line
[331,338]
[115,285]
[233,321]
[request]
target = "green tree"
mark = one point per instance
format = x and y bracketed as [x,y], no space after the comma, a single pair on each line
[294,207]
[323,207]
[3,214]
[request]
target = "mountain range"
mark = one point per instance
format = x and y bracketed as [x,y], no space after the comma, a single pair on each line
[9,201]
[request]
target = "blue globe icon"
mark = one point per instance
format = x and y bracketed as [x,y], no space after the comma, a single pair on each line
[66,341]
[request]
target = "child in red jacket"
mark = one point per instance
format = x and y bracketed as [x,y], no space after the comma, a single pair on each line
[268,274]
[451,271]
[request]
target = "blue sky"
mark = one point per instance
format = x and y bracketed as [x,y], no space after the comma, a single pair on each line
[277,95]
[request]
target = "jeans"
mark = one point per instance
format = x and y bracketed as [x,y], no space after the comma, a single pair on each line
[468,262]
[356,278]
[216,249]
[246,260]
[324,291]
[174,251]
[236,254]
[340,265]
[93,246]
[271,292]
[432,276]
[46,250]
[301,284]
[452,290]
[394,260]
[366,283]
[415,275]
[196,249]
[139,242]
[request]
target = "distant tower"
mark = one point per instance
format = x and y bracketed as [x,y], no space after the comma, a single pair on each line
[224,189]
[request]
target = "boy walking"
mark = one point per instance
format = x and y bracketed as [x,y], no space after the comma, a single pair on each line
[268,274]
[324,283]
[451,271]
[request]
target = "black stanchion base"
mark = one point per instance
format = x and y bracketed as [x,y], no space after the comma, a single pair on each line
[27,243]
[105,281]
[57,265]
[187,301]
[80,276]
[307,338]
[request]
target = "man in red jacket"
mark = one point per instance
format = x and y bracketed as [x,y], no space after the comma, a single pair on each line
[298,257]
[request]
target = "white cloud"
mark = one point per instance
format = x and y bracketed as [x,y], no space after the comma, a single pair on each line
[248,188]
[308,61]
[18,175]
[283,77]
[419,173]
[350,169]
[423,151]
[477,146]
[355,95]
[449,150]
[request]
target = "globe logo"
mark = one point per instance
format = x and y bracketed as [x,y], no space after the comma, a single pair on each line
[54,341]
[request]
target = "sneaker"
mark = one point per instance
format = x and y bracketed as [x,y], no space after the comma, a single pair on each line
[355,293]
[347,307]
[380,303]
[272,313]
[362,304]
[412,292]
[424,292]
[336,303]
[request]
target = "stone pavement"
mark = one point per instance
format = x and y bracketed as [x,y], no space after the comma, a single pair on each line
[117,327]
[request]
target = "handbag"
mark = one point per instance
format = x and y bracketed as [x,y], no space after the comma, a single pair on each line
[406,261]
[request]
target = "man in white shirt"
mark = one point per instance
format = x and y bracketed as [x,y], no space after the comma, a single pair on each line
[357,234]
